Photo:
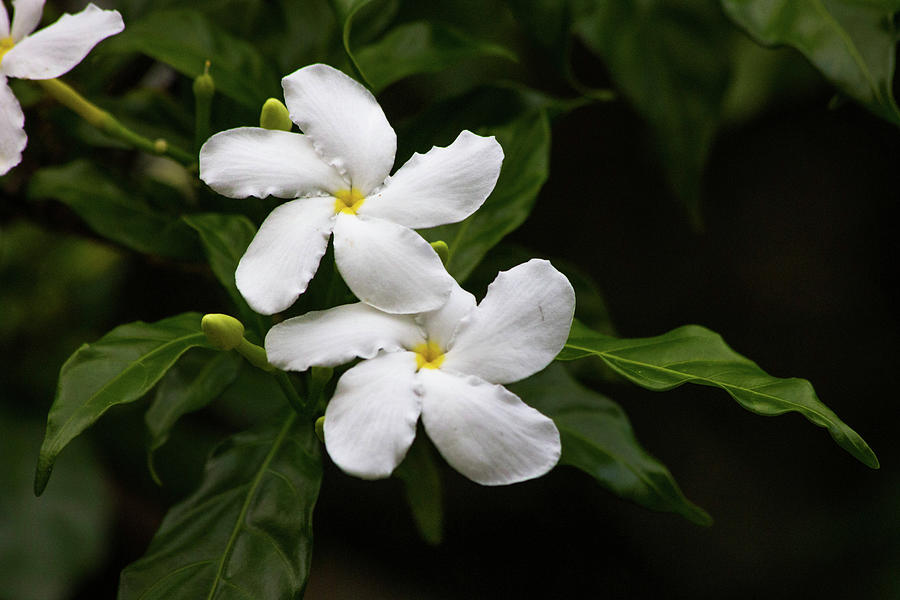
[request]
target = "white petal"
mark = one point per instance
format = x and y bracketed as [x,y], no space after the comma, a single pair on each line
[26,16]
[440,325]
[285,254]
[485,431]
[4,21]
[445,185]
[519,327]
[55,49]
[251,161]
[332,337]
[344,121]
[371,420]
[12,129]
[389,266]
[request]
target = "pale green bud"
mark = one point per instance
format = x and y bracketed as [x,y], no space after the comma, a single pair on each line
[320,429]
[222,331]
[204,86]
[274,115]
[442,249]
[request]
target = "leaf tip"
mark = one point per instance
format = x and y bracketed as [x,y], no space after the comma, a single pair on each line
[698,516]
[152,468]
[42,474]
[870,460]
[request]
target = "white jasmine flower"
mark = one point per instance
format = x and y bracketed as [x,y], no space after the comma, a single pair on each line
[336,174]
[444,366]
[46,54]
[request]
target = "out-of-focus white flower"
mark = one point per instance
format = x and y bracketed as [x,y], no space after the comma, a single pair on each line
[44,54]
[444,366]
[336,174]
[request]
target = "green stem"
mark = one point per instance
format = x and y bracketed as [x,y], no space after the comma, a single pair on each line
[290,392]
[255,355]
[108,124]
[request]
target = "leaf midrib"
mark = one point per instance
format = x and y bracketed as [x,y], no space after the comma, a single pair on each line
[852,50]
[606,356]
[238,524]
[199,336]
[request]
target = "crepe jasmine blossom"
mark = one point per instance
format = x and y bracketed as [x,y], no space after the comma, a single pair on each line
[336,175]
[446,366]
[45,54]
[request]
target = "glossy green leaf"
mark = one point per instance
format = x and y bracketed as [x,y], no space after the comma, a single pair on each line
[598,439]
[113,212]
[346,10]
[853,43]
[694,354]
[185,39]
[526,146]
[247,531]
[48,545]
[225,239]
[670,59]
[120,367]
[422,484]
[420,47]
[195,381]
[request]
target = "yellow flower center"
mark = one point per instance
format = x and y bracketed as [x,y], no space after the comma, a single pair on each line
[429,355]
[348,201]
[6,45]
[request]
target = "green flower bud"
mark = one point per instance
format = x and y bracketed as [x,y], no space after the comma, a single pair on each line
[204,89]
[222,331]
[320,429]
[442,249]
[204,86]
[274,115]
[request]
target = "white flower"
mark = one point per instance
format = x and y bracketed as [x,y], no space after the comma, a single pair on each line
[338,169]
[444,365]
[46,54]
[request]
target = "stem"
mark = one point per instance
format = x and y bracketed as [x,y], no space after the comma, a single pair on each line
[291,393]
[108,124]
[255,355]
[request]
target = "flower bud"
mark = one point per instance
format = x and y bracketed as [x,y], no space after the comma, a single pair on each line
[274,115]
[320,429]
[204,89]
[442,249]
[222,331]
[204,86]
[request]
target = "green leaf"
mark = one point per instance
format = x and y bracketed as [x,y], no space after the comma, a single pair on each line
[185,39]
[420,47]
[694,354]
[48,545]
[194,382]
[346,10]
[422,484]
[247,531]
[120,367]
[853,43]
[526,145]
[113,212]
[597,438]
[670,58]
[225,239]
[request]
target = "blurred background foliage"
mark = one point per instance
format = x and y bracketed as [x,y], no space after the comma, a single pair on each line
[687,172]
